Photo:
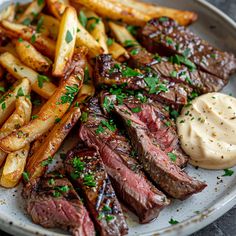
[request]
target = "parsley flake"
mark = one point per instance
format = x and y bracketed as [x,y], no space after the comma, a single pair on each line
[172,156]
[173,222]
[69,36]
[42,79]
[228,172]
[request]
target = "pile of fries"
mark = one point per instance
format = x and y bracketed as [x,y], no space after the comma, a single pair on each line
[39,96]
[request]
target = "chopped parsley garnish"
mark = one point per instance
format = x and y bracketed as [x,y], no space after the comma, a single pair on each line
[177,59]
[20,40]
[39,24]
[128,122]
[169,40]
[63,189]
[89,180]
[51,181]
[186,52]
[134,51]
[106,208]
[174,74]
[40,2]
[163,19]
[128,72]
[56,194]
[33,38]
[86,75]
[83,19]
[41,80]
[57,120]
[152,83]
[84,116]
[69,36]
[109,124]
[34,117]
[136,109]
[108,105]
[47,162]
[78,164]
[188,80]
[110,42]
[3,106]
[70,93]
[228,172]
[99,129]
[173,222]
[157,58]
[172,156]
[167,123]
[132,29]
[109,218]
[174,114]
[20,92]
[26,21]
[93,25]
[130,43]
[25,176]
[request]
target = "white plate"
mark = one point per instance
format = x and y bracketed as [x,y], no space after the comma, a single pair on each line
[214,201]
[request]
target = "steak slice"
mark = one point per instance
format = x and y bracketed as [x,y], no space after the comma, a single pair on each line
[161,128]
[128,180]
[110,73]
[161,167]
[200,81]
[52,202]
[168,38]
[87,171]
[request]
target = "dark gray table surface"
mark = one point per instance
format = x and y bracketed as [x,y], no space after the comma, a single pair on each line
[226,225]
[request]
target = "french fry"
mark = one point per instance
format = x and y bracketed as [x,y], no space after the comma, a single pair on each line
[182,17]
[57,7]
[83,38]
[7,101]
[118,52]
[96,28]
[87,91]
[31,57]
[51,24]
[65,41]
[44,88]
[121,33]
[45,45]
[52,110]
[15,161]
[19,117]
[8,13]
[38,162]
[31,11]
[116,11]
[14,167]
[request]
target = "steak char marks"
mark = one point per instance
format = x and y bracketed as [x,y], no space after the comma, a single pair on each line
[108,72]
[127,178]
[167,38]
[87,172]
[52,202]
[146,138]
[200,81]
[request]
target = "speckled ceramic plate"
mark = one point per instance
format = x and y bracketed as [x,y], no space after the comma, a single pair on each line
[193,213]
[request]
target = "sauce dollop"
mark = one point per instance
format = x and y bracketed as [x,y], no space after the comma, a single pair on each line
[207,131]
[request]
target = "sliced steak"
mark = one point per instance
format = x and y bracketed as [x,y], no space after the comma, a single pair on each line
[52,202]
[88,173]
[126,175]
[110,73]
[168,38]
[200,81]
[155,161]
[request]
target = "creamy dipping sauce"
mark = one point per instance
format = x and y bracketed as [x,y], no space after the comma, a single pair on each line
[207,131]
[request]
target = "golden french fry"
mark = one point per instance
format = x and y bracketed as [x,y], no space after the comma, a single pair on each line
[45,45]
[121,33]
[57,7]
[51,24]
[182,17]
[86,91]
[118,52]
[19,117]
[38,161]
[116,11]
[39,83]
[7,101]
[8,13]
[65,41]
[31,57]
[83,38]
[52,110]
[96,28]
[31,11]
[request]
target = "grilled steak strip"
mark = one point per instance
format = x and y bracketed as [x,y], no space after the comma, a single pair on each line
[162,129]
[127,178]
[52,202]
[200,81]
[168,38]
[87,171]
[156,163]
[108,72]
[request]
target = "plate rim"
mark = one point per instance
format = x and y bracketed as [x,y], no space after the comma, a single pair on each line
[186,227]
